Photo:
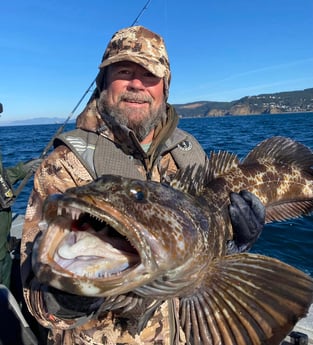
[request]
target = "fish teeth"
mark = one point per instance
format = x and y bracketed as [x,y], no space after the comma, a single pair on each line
[72,211]
[43,225]
[105,274]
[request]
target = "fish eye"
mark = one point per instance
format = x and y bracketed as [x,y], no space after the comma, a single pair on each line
[137,192]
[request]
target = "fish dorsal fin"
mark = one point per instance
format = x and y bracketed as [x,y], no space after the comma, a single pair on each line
[193,179]
[281,150]
[220,163]
[288,210]
[190,179]
[243,301]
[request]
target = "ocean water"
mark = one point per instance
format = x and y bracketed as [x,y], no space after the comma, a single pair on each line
[290,241]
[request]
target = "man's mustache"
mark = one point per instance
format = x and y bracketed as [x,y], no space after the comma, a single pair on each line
[135,97]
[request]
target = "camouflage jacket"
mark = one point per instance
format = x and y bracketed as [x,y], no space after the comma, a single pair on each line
[65,168]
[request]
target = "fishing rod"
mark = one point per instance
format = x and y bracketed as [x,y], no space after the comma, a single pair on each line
[48,146]
[59,131]
[141,12]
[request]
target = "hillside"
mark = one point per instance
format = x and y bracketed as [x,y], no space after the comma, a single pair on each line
[274,103]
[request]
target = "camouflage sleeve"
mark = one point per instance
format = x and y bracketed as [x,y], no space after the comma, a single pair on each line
[110,330]
[58,172]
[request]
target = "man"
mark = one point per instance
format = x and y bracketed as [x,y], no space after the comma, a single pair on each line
[128,129]
[14,328]
[9,177]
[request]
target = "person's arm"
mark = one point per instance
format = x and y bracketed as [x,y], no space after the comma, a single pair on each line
[60,171]
[15,173]
[20,170]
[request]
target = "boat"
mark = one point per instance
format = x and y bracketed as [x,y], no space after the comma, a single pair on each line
[302,333]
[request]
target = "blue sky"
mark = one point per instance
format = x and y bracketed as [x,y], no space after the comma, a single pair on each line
[220,50]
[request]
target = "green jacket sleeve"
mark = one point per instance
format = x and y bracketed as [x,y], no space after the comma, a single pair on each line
[16,172]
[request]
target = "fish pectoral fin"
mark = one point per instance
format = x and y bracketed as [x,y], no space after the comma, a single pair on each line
[246,299]
[143,320]
[132,306]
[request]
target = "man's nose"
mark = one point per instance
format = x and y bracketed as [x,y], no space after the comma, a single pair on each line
[136,82]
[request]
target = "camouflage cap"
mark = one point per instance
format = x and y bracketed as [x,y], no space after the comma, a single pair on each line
[142,46]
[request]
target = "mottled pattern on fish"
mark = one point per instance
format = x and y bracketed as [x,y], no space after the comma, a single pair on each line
[163,242]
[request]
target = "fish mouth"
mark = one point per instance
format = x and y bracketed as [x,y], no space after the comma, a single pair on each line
[87,249]
[92,247]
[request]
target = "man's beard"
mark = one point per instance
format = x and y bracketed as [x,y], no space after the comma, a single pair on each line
[142,126]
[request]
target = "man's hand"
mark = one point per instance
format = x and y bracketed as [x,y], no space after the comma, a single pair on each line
[247,215]
[68,306]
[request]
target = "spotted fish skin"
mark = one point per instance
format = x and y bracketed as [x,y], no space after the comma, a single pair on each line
[170,242]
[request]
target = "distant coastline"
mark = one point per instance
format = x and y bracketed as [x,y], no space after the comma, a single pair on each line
[274,103]
[243,115]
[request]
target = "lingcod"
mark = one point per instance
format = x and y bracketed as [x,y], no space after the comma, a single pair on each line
[117,238]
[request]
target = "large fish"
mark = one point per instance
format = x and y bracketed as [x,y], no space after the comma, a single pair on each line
[130,241]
